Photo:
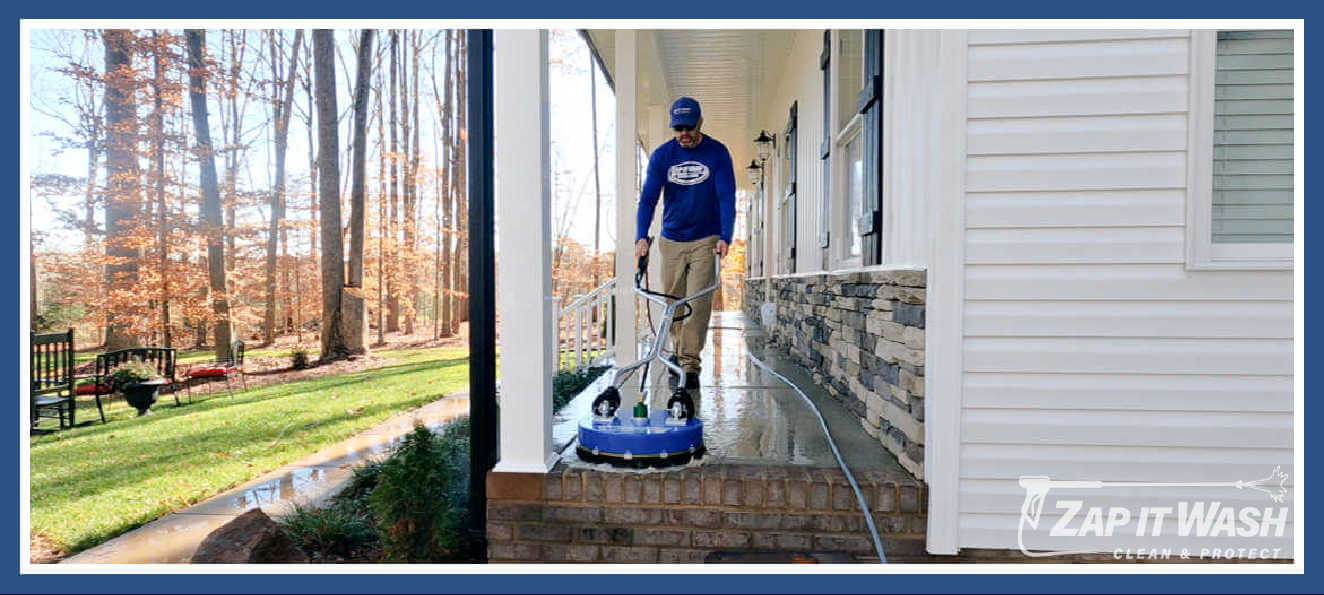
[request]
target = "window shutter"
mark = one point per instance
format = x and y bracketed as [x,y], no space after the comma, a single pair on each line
[1253,137]
[870,222]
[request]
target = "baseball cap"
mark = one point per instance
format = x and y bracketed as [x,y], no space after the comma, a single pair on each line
[685,112]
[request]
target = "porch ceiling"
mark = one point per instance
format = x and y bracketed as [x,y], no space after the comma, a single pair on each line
[726,70]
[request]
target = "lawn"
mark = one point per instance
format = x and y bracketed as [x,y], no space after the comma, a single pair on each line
[91,483]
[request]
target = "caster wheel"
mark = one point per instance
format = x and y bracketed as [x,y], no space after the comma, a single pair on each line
[681,405]
[606,404]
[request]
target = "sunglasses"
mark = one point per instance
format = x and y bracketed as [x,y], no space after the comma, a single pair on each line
[682,128]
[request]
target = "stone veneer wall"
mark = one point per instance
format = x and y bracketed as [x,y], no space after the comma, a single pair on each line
[686,515]
[861,336]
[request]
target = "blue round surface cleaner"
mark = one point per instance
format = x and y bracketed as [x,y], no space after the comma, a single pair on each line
[655,441]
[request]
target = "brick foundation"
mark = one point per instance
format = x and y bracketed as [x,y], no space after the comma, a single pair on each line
[578,515]
[861,336]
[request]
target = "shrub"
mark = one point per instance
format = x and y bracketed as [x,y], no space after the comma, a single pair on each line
[323,533]
[421,497]
[361,483]
[566,385]
[299,358]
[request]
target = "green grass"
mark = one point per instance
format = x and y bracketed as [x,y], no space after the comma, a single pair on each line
[91,483]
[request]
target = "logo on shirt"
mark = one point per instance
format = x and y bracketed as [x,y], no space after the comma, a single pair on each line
[687,173]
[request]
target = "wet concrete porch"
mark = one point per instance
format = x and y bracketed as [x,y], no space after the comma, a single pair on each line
[750,416]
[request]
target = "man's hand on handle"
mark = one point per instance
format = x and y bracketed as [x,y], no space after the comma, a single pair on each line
[721,248]
[641,248]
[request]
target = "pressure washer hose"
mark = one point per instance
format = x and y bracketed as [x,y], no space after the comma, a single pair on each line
[859,497]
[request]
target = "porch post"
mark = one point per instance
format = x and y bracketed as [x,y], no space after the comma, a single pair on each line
[627,96]
[524,212]
[482,305]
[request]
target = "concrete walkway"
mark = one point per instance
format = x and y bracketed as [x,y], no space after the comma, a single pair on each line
[312,480]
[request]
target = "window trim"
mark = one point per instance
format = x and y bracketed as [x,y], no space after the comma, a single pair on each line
[834,215]
[843,223]
[1201,251]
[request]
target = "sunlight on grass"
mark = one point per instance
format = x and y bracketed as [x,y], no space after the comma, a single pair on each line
[91,483]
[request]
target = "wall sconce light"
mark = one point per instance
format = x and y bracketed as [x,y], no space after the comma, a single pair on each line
[755,173]
[764,145]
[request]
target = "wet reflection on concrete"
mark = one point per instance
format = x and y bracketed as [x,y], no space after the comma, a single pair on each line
[309,481]
[749,416]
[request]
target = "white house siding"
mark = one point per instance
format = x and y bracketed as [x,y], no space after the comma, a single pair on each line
[911,116]
[1090,352]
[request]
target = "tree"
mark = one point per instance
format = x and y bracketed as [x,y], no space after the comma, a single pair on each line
[443,314]
[211,197]
[123,180]
[328,186]
[381,214]
[393,300]
[355,306]
[411,194]
[282,102]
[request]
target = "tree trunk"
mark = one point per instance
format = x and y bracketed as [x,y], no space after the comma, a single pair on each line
[462,175]
[393,252]
[123,184]
[446,164]
[234,126]
[411,197]
[356,321]
[282,103]
[312,167]
[381,215]
[211,197]
[158,178]
[441,305]
[328,147]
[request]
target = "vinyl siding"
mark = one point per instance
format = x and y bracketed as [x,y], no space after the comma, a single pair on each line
[1090,352]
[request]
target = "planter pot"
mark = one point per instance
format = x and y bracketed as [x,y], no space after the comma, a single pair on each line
[141,395]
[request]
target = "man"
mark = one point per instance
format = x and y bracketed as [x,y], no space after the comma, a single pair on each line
[697,181]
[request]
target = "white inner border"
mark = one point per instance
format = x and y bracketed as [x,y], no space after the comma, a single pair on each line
[1298,355]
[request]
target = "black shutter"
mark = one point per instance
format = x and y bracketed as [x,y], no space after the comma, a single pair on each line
[870,222]
[791,179]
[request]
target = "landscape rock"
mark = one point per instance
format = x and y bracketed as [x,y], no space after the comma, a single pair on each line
[251,538]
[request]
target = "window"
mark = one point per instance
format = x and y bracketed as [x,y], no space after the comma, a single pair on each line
[1240,169]
[852,131]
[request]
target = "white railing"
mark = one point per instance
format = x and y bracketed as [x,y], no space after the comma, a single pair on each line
[584,328]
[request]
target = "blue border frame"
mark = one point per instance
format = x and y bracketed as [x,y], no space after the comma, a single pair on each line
[1017,583]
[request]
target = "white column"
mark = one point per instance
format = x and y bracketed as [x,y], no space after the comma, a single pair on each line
[524,218]
[627,95]
[658,133]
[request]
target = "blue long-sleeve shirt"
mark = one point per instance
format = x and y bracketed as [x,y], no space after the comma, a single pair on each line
[698,187]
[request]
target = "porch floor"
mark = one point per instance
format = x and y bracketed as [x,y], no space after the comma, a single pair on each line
[750,417]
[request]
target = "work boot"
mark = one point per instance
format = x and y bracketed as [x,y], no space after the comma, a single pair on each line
[691,380]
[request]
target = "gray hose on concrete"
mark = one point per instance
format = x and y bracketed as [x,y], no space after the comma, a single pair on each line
[859,497]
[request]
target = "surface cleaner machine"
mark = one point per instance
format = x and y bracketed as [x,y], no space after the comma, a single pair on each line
[633,436]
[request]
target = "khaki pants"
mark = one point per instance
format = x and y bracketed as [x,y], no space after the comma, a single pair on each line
[687,267]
